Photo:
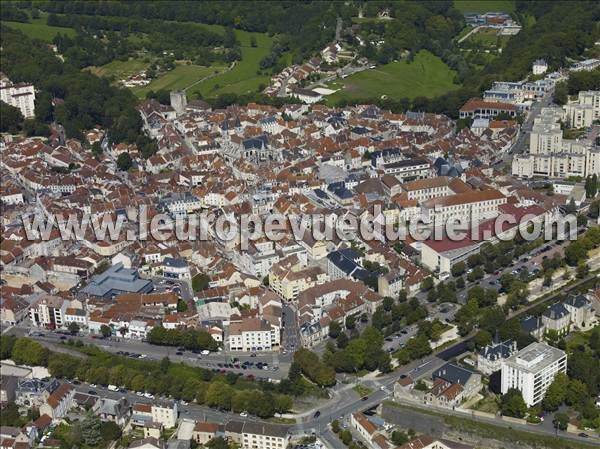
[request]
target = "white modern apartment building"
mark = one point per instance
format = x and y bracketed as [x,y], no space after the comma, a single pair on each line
[49,311]
[552,156]
[21,96]
[165,413]
[532,370]
[582,112]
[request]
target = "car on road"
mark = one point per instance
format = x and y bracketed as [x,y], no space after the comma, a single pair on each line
[244,414]
[364,398]
[583,435]
[92,392]
[205,352]
[179,353]
[382,388]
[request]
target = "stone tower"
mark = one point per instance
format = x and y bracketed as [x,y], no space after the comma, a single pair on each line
[178,101]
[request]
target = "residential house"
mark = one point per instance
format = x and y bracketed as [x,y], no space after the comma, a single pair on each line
[59,402]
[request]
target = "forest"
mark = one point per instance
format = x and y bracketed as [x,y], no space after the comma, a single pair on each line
[76,99]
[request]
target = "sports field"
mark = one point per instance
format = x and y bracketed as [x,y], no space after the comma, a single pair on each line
[426,76]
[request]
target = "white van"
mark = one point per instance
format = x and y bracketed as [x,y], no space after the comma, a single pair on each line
[113,388]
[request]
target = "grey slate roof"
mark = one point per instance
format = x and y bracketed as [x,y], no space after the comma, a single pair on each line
[556,311]
[115,280]
[453,374]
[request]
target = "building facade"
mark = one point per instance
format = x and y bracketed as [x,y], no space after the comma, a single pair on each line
[532,370]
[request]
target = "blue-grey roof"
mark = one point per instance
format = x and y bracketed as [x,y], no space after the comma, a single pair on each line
[497,351]
[346,260]
[258,142]
[577,301]
[115,280]
[360,130]
[556,311]
[174,262]
[320,194]
[453,373]
[531,323]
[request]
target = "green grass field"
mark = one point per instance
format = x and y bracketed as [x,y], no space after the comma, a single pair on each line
[180,77]
[484,5]
[242,78]
[38,29]
[488,38]
[118,70]
[426,76]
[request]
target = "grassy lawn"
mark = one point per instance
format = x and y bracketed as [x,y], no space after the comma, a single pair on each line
[426,76]
[38,29]
[180,77]
[488,404]
[242,78]
[119,69]
[484,5]
[488,38]
[362,390]
[576,339]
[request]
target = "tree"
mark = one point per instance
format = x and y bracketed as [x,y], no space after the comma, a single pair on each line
[427,284]
[110,431]
[73,327]
[582,269]
[182,306]
[458,269]
[217,443]
[476,274]
[335,426]
[591,186]
[124,162]
[200,282]
[512,404]
[346,437]
[560,421]
[388,303]
[556,393]
[577,392]
[399,438]
[6,346]
[350,322]
[334,329]
[12,119]
[561,93]
[106,331]
[29,352]
[482,339]
[342,340]
[91,430]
